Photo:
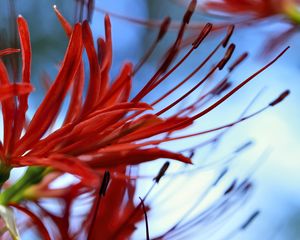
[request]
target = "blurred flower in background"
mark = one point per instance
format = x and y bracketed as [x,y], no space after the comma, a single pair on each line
[246,13]
[103,138]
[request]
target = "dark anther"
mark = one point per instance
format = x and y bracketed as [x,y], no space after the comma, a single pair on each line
[231,187]
[222,174]
[189,12]
[243,147]
[162,172]
[280,98]
[238,61]
[105,182]
[226,57]
[223,86]
[229,33]
[203,34]
[250,220]
[163,28]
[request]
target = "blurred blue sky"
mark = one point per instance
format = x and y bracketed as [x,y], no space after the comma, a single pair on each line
[277,130]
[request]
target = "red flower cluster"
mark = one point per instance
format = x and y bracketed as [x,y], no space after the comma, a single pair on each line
[248,12]
[256,9]
[103,133]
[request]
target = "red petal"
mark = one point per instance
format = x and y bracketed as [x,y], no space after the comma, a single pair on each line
[66,164]
[94,88]
[128,106]
[11,90]
[8,51]
[8,109]
[107,57]
[50,106]
[26,62]
[75,105]
[132,157]
[26,48]
[65,24]
[119,87]
[36,220]
[108,44]
[76,98]
[155,129]
[65,134]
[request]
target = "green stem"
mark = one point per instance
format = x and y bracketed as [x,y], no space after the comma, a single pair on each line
[293,13]
[14,193]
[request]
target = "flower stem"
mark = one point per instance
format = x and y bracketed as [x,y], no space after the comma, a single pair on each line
[14,193]
[292,12]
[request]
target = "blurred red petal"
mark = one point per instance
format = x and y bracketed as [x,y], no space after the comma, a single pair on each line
[132,157]
[8,51]
[62,163]
[35,219]
[16,89]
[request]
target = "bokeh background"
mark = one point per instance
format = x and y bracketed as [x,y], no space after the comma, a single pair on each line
[273,161]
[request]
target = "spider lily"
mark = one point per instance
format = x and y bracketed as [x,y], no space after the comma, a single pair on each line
[247,12]
[106,133]
[254,9]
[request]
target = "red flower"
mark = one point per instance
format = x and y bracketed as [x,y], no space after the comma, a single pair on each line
[105,130]
[255,9]
[248,12]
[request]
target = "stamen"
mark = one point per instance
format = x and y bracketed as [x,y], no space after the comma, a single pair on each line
[134,212]
[205,31]
[101,193]
[190,10]
[146,219]
[280,98]
[238,61]
[197,116]
[199,200]
[219,206]
[171,54]
[230,30]
[105,182]
[222,174]
[221,87]
[245,186]
[187,78]
[90,8]
[162,172]
[187,93]
[155,142]
[192,153]
[80,8]
[250,220]
[163,30]
[243,147]
[227,56]
[149,23]
[231,187]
